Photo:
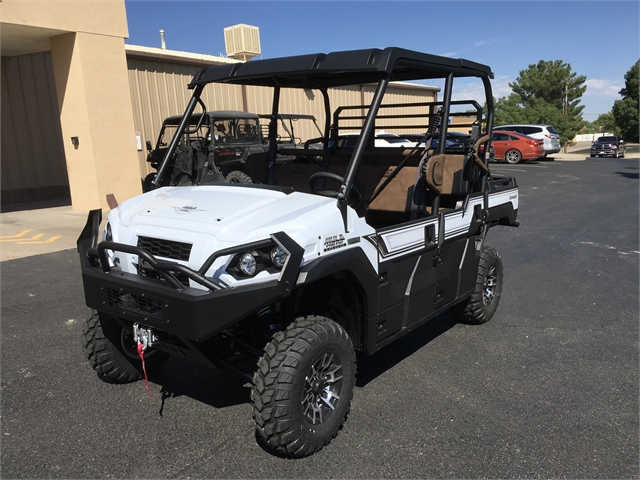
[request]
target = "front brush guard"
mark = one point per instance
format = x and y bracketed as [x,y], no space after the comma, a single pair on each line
[169,305]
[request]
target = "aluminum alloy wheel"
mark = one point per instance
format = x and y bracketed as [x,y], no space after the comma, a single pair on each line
[513,156]
[490,284]
[322,388]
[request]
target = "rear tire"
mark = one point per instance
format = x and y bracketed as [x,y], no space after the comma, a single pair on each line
[483,302]
[303,387]
[513,156]
[111,350]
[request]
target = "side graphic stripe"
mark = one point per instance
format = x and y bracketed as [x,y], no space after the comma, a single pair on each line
[400,241]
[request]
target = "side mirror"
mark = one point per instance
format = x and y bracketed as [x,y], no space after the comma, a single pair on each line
[149,147]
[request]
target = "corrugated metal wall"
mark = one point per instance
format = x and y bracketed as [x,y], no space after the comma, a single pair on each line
[33,161]
[159,89]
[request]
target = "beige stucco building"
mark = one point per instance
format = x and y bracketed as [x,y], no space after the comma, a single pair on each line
[78,104]
[89,71]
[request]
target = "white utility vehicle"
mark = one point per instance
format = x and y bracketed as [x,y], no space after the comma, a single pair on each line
[344,249]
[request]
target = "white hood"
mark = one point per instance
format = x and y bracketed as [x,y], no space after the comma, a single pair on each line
[215,217]
[230,213]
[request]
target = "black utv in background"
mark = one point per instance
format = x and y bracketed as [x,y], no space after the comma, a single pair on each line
[213,148]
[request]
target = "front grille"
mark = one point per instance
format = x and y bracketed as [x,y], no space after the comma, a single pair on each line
[151,273]
[165,248]
[135,303]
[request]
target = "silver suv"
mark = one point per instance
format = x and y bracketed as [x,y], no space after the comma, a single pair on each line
[544,132]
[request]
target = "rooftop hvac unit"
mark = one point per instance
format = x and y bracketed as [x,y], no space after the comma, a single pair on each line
[242,41]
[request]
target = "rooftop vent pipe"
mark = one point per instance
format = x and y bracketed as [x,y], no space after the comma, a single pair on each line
[163,45]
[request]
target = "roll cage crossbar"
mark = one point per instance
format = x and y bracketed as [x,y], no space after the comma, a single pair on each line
[338,69]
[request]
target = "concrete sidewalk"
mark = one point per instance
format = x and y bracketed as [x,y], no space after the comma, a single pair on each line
[34,232]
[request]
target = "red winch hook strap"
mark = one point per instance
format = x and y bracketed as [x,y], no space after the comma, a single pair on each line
[144,368]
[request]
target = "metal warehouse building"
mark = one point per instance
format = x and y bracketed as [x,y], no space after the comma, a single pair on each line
[78,104]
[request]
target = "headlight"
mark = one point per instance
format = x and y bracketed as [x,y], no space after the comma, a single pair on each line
[278,256]
[247,264]
[266,257]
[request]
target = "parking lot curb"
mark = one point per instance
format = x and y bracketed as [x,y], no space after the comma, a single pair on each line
[568,157]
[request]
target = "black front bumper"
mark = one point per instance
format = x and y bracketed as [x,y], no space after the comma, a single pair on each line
[165,304]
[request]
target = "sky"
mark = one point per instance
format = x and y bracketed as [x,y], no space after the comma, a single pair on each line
[599,39]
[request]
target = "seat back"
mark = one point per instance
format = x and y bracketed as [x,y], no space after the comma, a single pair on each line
[444,173]
[396,196]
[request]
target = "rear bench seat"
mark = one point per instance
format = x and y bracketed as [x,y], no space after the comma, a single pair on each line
[443,175]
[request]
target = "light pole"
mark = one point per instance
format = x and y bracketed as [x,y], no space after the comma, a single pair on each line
[565,109]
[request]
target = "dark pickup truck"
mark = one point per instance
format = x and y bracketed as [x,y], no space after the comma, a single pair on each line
[609,145]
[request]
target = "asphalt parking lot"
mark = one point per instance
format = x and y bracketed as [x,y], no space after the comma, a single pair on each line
[549,388]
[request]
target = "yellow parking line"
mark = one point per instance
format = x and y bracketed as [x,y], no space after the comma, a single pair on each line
[22,240]
[21,234]
[51,240]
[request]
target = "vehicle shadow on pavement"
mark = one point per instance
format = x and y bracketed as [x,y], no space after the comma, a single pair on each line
[225,388]
[370,367]
[635,176]
[631,175]
[217,388]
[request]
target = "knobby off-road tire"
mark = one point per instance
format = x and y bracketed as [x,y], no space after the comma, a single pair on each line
[147,186]
[111,350]
[483,302]
[303,387]
[237,176]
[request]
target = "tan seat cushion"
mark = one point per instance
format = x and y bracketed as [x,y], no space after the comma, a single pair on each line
[441,170]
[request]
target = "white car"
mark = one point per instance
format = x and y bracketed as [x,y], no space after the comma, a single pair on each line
[544,132]
[382,139]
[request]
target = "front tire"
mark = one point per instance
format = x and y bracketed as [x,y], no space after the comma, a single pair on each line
[483,302]
[303,387]
[111,350]
[513,156]
[237,176]
[147,186]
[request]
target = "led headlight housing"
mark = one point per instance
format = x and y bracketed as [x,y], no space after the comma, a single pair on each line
[249,263]
[278,256]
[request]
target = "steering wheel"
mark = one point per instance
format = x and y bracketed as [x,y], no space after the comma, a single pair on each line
[355,196]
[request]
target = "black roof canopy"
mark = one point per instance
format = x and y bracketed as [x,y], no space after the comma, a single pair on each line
[336,69]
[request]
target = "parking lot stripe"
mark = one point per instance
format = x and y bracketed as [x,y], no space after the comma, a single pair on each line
[20,240]
[21,234]
[50,240]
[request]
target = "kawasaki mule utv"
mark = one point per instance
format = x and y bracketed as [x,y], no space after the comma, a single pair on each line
[284,280]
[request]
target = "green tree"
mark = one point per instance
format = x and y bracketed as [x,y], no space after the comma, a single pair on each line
[605,123]
[549,93]
[625,111]
[509,110]
[549,81]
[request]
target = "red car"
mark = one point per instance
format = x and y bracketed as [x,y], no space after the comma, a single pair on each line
[514,147]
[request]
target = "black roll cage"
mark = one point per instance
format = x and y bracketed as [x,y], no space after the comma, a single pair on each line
[337,69]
